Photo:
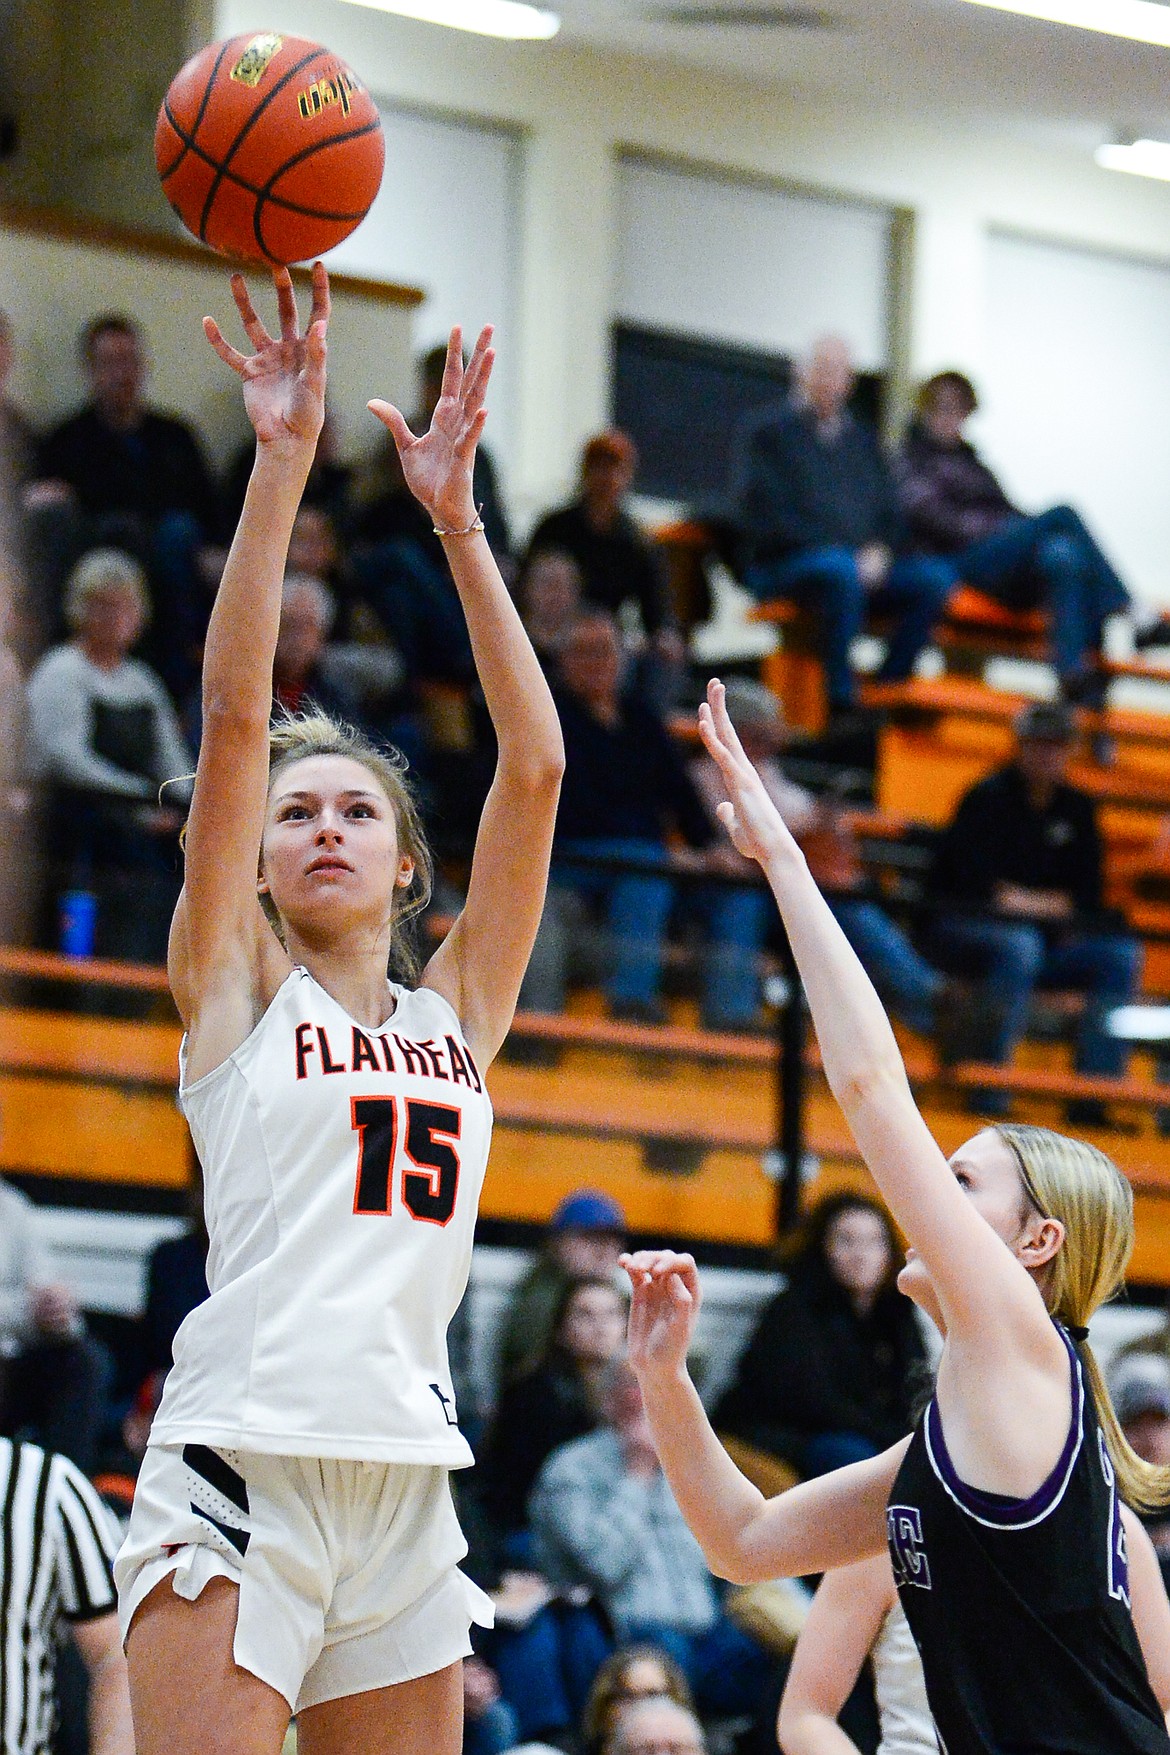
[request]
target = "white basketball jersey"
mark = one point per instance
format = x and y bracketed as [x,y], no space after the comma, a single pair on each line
[900,1690]
[343,1169]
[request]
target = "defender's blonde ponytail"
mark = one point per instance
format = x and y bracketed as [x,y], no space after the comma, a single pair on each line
[1072,1181]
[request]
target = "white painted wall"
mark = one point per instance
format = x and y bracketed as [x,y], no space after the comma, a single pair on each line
[579,109]
[464,252]
[747,262]
[1076,386]
[51,287]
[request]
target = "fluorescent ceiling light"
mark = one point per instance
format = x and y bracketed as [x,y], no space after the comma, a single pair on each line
[491,18]
[1144,158]
[1142,21]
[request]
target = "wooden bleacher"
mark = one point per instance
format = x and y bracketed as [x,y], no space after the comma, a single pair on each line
[675,1122]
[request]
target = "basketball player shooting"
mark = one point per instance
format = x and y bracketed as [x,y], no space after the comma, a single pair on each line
[1032,1591]
[293,1543]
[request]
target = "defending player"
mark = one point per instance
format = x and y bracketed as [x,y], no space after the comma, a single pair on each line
[293,1542]
[1032,1601]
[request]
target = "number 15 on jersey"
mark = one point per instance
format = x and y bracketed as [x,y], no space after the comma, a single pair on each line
[427,1158]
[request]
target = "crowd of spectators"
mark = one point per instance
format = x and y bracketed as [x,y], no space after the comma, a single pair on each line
[122,526]
[612,1635]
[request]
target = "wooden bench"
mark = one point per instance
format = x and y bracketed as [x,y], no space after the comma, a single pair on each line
[974,629]
[676,1123]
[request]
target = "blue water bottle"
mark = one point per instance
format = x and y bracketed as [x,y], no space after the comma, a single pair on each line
[78,922]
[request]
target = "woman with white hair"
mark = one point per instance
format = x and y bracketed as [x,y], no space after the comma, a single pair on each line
[104,738]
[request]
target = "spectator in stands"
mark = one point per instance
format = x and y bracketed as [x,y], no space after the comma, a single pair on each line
[299,671]
[489,1723]
[558,1399]
[548,593]
[915,991]
[636,1672]
[176,1279]
[52,1372]
[137,478]
[304,667]
[400,572]
[832,1371]
[585,1239]
[604,1518]
[1139,1388]
[619,568]
[18,441]
[656,1726]
[15,799]
[955,507]
[818,511]
[104,737]
[1018,888]
[327,490]
[626,789]
[57,1548]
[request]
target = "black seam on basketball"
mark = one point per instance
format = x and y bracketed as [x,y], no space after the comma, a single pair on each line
[306,152]
[249,124]
[184,144]
[199,114]
[201,152]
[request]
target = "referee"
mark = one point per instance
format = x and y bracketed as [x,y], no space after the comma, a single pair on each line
[57,1547]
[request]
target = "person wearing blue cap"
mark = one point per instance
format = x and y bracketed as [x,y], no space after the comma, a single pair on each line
[585,1237]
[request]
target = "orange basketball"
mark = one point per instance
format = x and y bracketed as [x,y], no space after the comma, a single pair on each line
[269,148]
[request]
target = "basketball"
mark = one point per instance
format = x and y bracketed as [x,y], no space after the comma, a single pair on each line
[269,148]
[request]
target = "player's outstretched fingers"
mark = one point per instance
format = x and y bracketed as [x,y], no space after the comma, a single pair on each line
[231,356]
[392,418]
[249,317]
[286,305]
[322,302]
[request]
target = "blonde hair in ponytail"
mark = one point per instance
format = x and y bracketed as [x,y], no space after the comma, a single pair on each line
[1072,1181]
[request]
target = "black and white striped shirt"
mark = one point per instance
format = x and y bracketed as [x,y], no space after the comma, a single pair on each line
[57,1548]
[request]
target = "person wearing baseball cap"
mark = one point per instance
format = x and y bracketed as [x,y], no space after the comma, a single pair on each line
[586,1235]
[1018,885]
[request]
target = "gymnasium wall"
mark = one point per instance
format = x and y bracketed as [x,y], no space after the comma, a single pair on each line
[52,282]
[947,190]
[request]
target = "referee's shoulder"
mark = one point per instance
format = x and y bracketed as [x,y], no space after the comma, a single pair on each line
[47,1485]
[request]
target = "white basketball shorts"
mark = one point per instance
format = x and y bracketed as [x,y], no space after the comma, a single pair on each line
[348,1572]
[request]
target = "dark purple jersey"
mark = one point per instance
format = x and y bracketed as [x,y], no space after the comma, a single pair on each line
[1020,1608]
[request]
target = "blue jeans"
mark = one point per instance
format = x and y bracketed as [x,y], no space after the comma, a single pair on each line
[1017,957]
[826,1451]
[638,906]
[737,918]
[1080,587]
[546,1668]
[826,581]
[493,1733]
[908,984]
[727,1670]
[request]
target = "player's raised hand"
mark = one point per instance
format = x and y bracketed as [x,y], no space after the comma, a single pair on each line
[284,377]
[437,464]
[664,1306]
[754,824]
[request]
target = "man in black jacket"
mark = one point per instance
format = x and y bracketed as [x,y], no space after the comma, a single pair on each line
[819,512]
[131,477]
[626,788]
[619,566]
[1018,881]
